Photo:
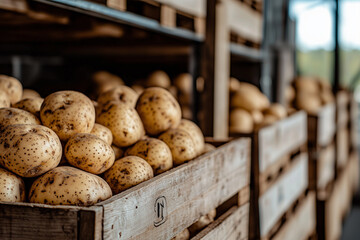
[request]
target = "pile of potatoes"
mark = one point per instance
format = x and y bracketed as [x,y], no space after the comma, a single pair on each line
[71,150]
[309,94]
[250,109]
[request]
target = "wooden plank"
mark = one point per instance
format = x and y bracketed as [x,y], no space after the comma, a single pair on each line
[325,166]
[233,225]
[167,16]
[326,125]
[302,224]
[342,147]
[117,4]
[332,216]
[354,116]
[14,5]
[165,205]
[281,138]
[354,171]
[193,7]
[276,201]
[38,221]
[342,114]
[90,222]
[244,21]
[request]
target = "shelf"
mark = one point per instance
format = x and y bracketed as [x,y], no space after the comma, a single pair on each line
[116,16]
[245,53]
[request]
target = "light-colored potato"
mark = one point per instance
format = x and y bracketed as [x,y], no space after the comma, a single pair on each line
[124,123]
[203,222]
[234,85]
[277,110]
[12,187]
[307,85]
[11,116]
[196,134]
[158,79]
[68,113]
[155,152]
[104,77]
[89,153]
[208,148]
[4,99]
[289,94]
[249,99]
[31,105]
[181,145]
[241,121]
[29,93]
[291,111]
[257,116]
[326,97]
[69,186]
[183,235]
[119,152]
[138,88]
[102,132]
[12,87]
[184,83]
[127,172]
[121,94]
[158,110]
[173,90]
[308,102]
[29,150]
[268,120]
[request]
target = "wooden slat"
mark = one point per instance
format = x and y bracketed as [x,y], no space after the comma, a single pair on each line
[14,5]
[233,225]
[326,125]
[281,138]
[354,123]
[342,114]
[276,201]
[302,224]
[343,147]
[193,7]
[332,216]
[354,171]
[325,166]
[188,192]
[90,222]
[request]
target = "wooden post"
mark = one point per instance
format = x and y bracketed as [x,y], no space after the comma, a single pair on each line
[216,68]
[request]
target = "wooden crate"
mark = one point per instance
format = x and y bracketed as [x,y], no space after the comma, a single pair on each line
[353,172]
[156,209]
[342,147]
[354,119]
[342,109]
[186,14]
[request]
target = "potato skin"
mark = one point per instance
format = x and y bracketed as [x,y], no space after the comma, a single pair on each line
[158,110]
[127,172]
[31,105]
[4,99]
[102,132]
[208,148]
[184,235]
[122,94]
[155,152]
[68,113]
[89,153]
[12,187]
[203,222]
[29,93]
[29,150]
[12,87]
[158,79]
[124,123]
[11,116]
[119,153]
[194,131]
[181,145]
[69,186]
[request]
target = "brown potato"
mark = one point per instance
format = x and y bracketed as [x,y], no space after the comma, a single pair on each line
[241,121]
[277,110]
[184,83]
[11,116]
[183,235]
[155,152]
[257,116]
[4,99]
[68,113]
[208,148]
[29,93]
[12,187]
[102,132]
[69,186]
[249,99]
[196,134]
[308,102]
[158,79]
[203,222]
[127,172]
[12,87]
[31,105]
[122,94]
[119,153]
[234,85]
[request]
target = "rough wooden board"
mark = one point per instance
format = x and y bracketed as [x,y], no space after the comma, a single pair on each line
[244,21]
[38,221]
[274,202]
[281,138]
[353,123]
[343,147]
[332,216]
[342,114]
[326,125]
[188,191]
[193,7]
[233,225]
[14,5]
[117,4]
[325,166]
[90,222]
[302,224]
[354,172]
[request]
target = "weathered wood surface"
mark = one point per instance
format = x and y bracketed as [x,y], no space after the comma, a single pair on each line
[325,166]
[343,147]
[354,123]
[281,138]
[165,205]
[342,109]
[233,225]
[326,125]
[302,224]
[277,199]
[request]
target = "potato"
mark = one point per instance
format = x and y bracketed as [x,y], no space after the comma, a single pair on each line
[29,93]
[308,102]
[234,85]
[289,94]
[119,153]
[203,222]
[181,145]
[257,116]
[249,99]
[184,83]
[11,116]
[155,152]
[208,148]
[307,85]
[158,110]
[124,123]
[12,187]
[186,112]
[122,94]
[268,120]
[138,88]
[183,235]
[12,87]
[106,81]
[326,97]
[127,172]
[196,134]
[4,99]
[102,132]
[31,105]
[241,121]
[158,79]
[173,90]
[69,186]
[277,110]
[29,150]
[89,153]
[68,113]
[185,99]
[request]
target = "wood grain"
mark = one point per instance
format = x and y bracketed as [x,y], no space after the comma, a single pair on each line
[342,107]
[326,125]
[325,166]
[342,147]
